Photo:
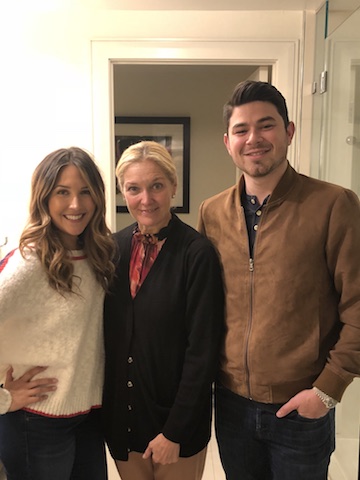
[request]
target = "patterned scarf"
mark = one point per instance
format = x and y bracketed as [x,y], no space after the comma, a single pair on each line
[144,250]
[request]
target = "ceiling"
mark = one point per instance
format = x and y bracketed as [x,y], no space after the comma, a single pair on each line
[229,4]
[214,4]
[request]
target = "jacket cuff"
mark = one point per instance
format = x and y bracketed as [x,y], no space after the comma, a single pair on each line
[332,384]
[5,400]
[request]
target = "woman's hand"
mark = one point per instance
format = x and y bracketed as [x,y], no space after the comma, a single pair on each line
[25,391]
[162,450]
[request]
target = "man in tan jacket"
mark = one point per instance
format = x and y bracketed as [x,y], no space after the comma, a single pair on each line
[290,251]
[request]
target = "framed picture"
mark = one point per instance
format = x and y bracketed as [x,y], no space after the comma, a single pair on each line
[173,133]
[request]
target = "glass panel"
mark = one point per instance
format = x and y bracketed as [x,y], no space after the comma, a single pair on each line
[336,158]
[341,152]
[354,139]
[318,99]
[339,11]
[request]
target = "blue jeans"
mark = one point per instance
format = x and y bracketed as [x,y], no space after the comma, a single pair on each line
[35,447]
[256,445]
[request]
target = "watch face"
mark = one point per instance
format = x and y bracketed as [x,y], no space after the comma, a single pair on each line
[327,401]
[330,403]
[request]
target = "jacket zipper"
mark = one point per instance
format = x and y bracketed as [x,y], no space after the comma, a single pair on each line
[251,270]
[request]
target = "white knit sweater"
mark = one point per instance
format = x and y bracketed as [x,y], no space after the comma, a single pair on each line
[41,327]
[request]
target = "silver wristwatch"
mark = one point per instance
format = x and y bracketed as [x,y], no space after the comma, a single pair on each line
[328,401]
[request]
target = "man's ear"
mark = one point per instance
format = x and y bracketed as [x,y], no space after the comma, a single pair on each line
[290,129]
[226,142]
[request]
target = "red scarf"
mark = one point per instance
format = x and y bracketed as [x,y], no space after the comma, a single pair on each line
[144,250]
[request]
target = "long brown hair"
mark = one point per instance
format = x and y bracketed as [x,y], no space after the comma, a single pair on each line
[41,235]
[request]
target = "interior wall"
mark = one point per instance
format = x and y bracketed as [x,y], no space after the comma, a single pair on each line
[195,91]
[46,84]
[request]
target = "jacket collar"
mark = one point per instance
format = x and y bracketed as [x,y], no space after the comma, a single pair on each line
[286,183]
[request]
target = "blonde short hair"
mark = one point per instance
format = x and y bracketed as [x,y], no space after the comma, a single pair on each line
[146,150]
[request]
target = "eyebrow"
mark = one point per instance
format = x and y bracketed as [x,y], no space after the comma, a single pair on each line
[156,179]
[261,120]
[59,185]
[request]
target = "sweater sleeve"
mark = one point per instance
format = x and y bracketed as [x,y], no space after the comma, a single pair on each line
[343,257]
[5,401]
[20,293]
[9,284]
[16,285]
[5,395]
[204,320]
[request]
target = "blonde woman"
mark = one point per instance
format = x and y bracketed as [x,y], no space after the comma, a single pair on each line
[51,343]
[163,324]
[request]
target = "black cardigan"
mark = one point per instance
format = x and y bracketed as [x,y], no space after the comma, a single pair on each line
[162,347]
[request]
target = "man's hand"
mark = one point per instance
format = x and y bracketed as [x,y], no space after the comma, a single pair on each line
[25,390]
[162,450]
[307,404]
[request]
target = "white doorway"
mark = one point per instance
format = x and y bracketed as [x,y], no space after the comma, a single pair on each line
[282,56]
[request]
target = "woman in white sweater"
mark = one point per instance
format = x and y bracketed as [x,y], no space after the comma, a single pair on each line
[51,336]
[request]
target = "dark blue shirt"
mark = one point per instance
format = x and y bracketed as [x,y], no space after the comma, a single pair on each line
[253,212]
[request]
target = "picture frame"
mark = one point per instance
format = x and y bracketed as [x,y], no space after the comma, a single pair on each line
[174,134]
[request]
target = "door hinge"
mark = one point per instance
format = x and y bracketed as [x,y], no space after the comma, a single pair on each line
[323,82]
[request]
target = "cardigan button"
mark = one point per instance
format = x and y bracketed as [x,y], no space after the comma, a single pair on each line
[130,384]
[130,359]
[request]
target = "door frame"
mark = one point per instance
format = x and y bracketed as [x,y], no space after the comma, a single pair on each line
[282,56]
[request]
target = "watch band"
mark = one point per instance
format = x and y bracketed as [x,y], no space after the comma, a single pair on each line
[328,401]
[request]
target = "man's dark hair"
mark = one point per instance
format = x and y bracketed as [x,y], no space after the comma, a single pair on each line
[251,91]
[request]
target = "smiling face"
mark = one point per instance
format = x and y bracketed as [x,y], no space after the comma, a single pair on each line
[148,192]
[71,206]
[257,139]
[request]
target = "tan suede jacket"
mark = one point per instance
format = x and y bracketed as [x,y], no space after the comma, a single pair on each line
[293,311]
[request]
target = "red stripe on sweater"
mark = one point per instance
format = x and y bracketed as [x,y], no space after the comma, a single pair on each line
[5,260]
[70,415]
[79,257]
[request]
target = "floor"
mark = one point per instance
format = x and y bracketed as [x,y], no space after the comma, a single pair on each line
[213,469]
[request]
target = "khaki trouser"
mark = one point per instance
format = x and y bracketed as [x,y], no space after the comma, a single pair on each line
[189,468]
[2,472]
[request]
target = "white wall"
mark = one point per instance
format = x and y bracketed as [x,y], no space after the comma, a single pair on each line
[46,81]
